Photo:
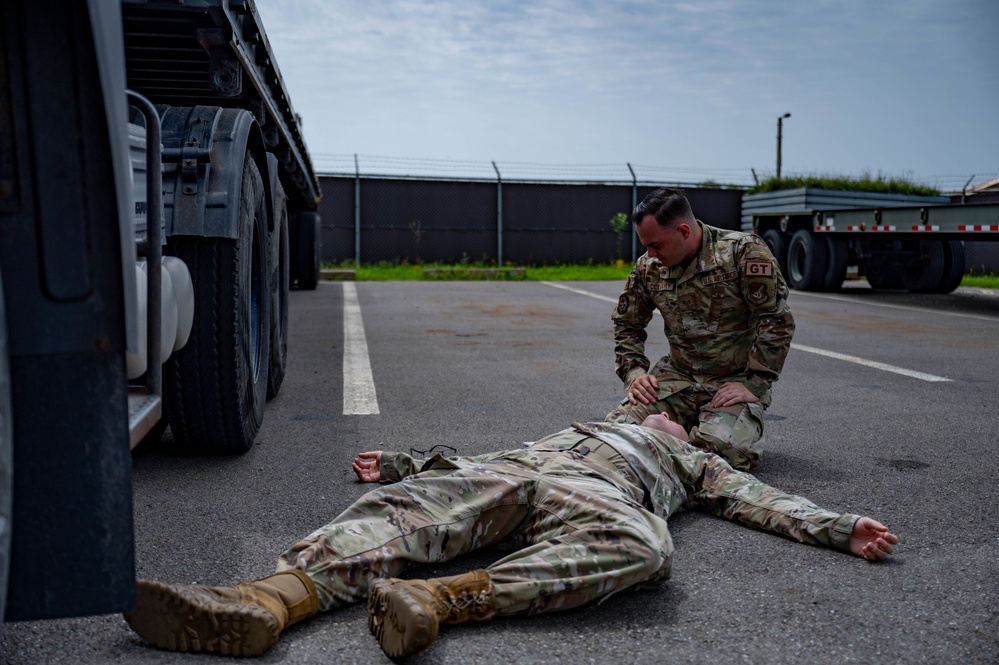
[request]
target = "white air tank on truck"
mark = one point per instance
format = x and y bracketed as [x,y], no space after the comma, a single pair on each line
[157,202]
[896,241]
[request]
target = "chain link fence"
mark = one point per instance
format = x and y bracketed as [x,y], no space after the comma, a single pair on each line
[371,219]
[520,220]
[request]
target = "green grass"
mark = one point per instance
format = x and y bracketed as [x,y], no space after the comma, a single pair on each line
[981,281]
[386,271]
[865,182]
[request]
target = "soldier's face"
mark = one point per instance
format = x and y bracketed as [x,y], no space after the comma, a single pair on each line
[669,245]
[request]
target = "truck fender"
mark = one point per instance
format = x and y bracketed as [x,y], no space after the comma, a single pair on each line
[203,152]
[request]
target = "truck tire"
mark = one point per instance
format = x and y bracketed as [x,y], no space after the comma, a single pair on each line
[924,272]
[215,387]
[307,248]
[6,462]
[778,241]
[280,283]
[839,255]
[807,261]
[954,266]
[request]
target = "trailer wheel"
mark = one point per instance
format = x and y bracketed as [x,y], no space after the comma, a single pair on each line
[215,387]
[280,282]
[6,461]
[307,248]
[924,272]
[777,241]
[839,256]
[807,261]
[954,266]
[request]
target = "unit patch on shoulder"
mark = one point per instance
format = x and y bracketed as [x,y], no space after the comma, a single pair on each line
[759,269]
[757,293]
[622,304]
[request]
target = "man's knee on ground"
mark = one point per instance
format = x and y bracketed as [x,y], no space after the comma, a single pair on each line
[735,433]
[642,555]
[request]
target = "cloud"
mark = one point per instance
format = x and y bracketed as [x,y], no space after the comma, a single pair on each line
[644,80]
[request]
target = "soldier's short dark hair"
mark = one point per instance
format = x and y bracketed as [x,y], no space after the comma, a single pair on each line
[668,206]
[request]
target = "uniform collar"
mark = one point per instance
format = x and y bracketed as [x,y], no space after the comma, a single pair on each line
[705,259]
[703,262]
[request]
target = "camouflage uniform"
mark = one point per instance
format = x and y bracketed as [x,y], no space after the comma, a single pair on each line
[727,319]
[585,508]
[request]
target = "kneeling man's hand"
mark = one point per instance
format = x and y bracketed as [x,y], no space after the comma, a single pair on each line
[644,389]
[731,393]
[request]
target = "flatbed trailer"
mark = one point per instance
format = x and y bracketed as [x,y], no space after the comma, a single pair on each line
[903,243]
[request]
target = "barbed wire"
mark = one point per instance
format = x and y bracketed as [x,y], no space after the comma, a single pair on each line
[338,164]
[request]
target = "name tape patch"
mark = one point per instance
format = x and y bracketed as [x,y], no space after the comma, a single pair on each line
[720,277]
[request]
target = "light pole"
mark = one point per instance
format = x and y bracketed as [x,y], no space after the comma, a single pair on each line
[780,125]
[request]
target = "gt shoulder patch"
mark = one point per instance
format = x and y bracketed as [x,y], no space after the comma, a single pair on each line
[759,269]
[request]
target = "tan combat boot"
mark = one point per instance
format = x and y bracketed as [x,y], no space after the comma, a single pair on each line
[244,620]
[405,614]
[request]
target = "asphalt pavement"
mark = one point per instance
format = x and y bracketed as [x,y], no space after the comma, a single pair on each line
[480,366]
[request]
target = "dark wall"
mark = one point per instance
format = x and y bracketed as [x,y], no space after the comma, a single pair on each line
[448,221]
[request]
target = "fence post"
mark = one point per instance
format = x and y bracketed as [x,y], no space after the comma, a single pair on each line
[634,204]
[357,213]
[499,217]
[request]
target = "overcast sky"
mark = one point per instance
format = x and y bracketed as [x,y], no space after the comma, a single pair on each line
[684,91]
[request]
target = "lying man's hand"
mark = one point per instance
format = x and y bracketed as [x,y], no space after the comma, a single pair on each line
[872,540]
[367,466]
[644,389]
[732,393]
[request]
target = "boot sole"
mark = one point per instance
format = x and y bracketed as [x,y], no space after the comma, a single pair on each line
[398,620]
[176,619]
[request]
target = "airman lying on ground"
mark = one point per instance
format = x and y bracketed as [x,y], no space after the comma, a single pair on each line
[586,506]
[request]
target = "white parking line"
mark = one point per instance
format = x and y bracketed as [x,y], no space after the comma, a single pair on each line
[359,397]
[807,349]
[922,310]
[870,363]
[580,291]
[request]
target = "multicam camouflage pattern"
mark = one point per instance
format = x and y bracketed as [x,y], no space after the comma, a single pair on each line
[726,315]
[587,524]
[734,432]
[726,318]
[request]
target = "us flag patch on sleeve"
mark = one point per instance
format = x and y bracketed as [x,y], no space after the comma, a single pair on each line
[759,269]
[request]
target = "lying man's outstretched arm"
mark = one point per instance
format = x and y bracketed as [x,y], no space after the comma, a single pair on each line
[721,490]
[367,466]
[383,466]
[872,540]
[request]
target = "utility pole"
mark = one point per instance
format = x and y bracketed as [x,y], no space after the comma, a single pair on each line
[780,125]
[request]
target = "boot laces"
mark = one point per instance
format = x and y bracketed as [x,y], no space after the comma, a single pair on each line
[455,604]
